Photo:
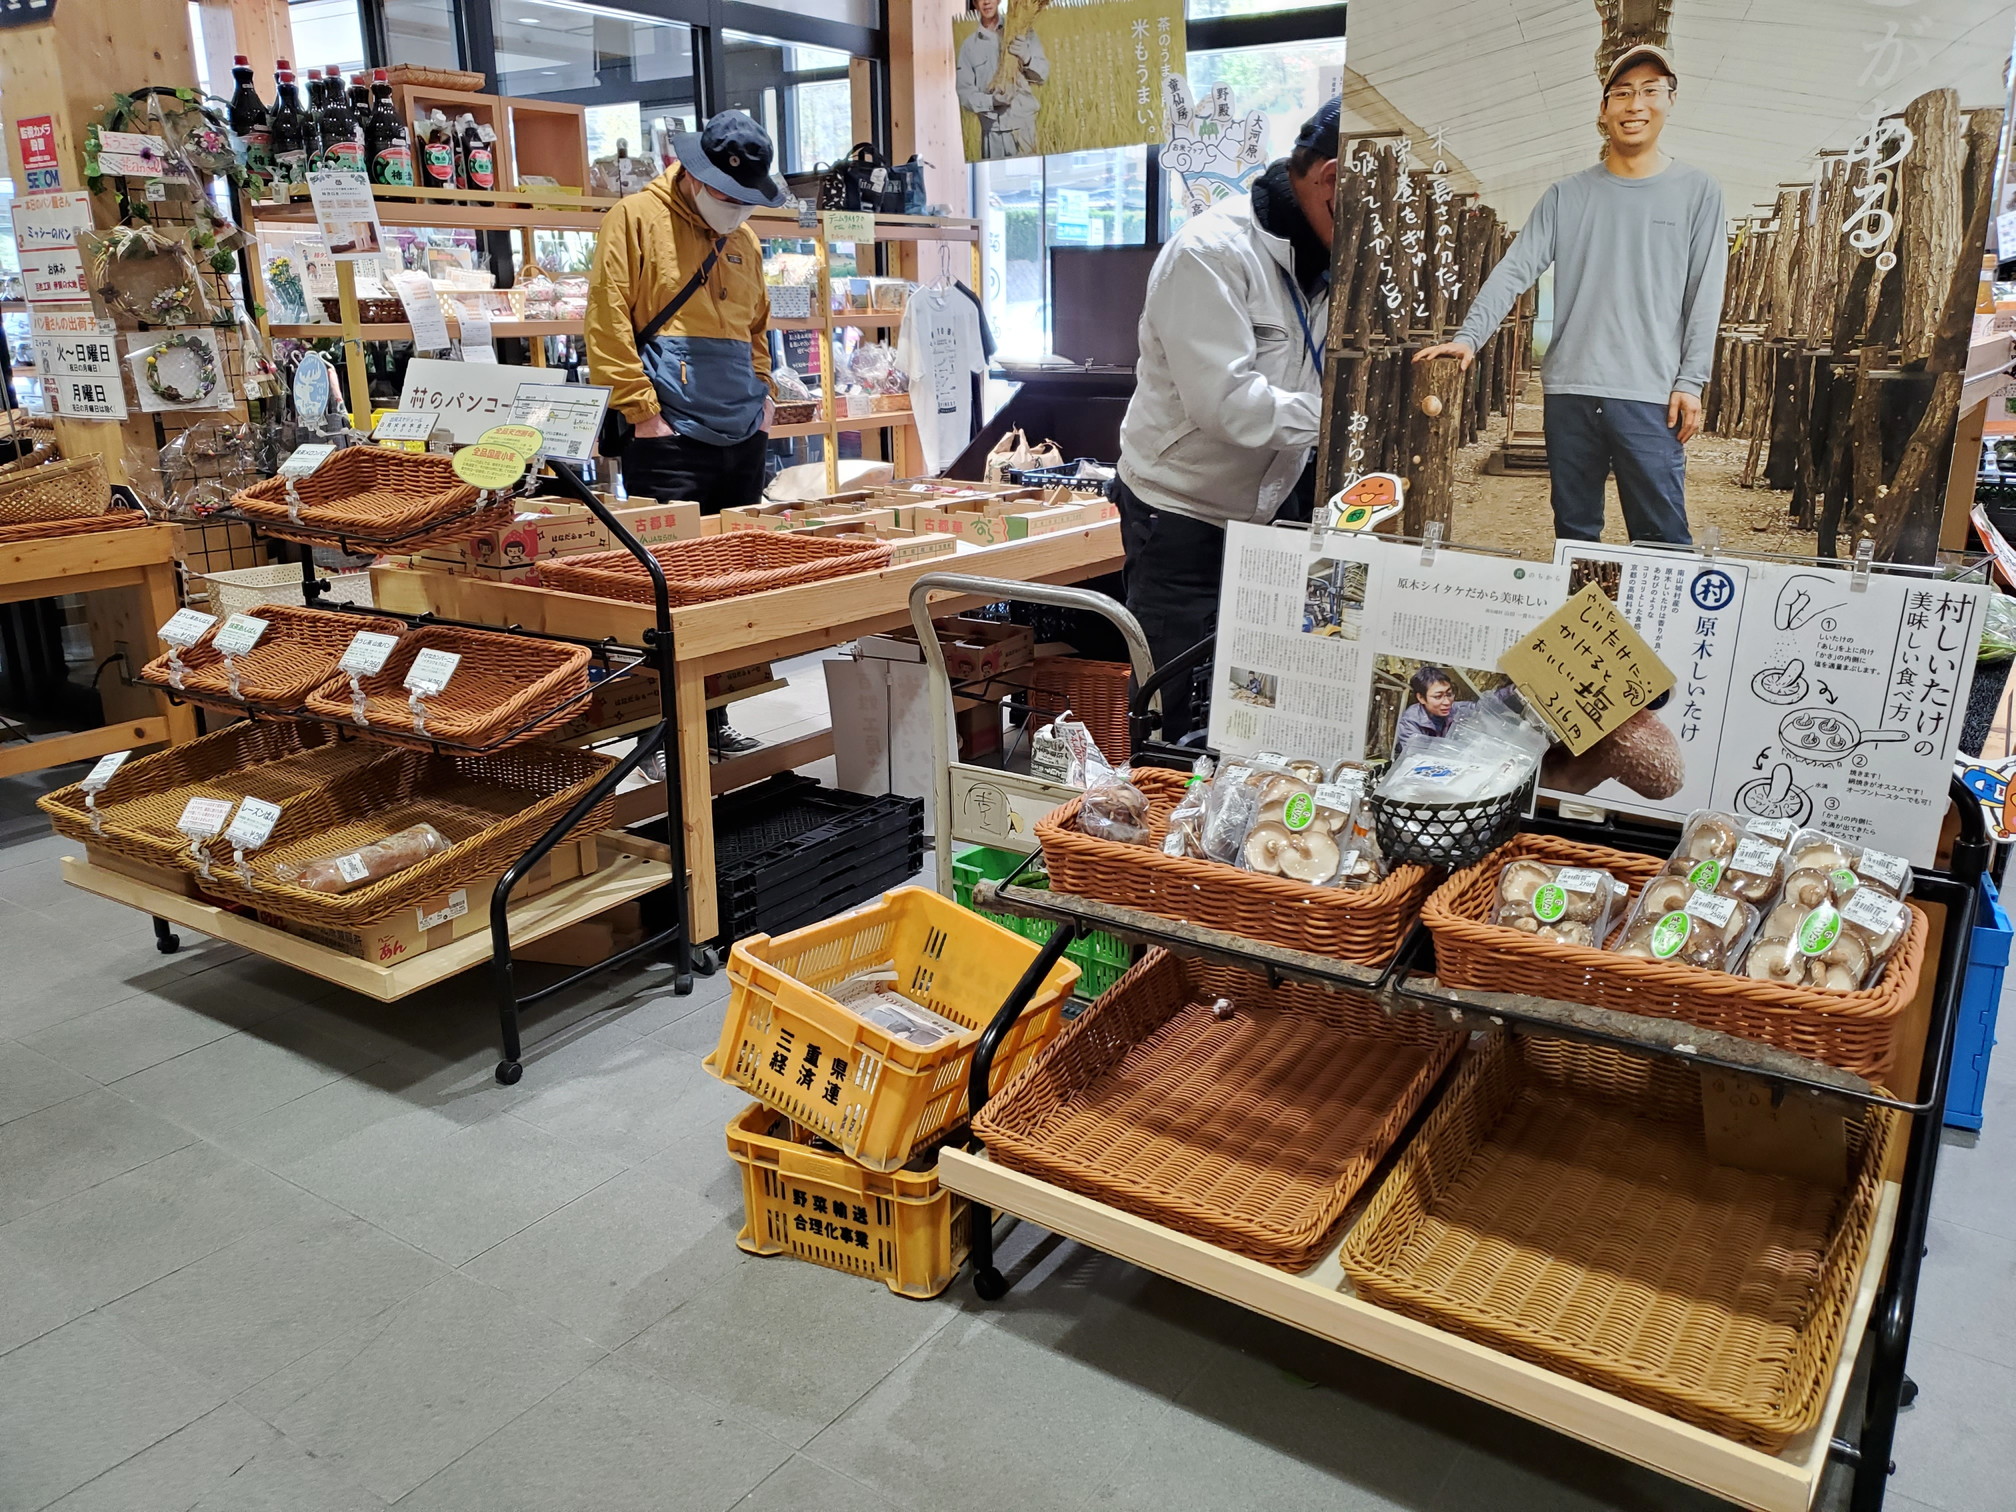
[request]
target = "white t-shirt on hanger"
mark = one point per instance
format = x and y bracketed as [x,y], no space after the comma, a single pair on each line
[939,348]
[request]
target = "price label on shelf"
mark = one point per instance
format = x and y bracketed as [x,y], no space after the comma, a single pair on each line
[849,225]
[476,343]
[252,825]
[185,627]
[406,425]
[367,653]
[305,459]
[203,817]
[239,634]
[431,670]
[100,776]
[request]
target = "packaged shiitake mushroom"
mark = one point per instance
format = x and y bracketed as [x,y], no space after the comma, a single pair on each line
[1304,832]
[1837,947]
[1570,905]
[1850,866]
[1720,854]
[1676,921]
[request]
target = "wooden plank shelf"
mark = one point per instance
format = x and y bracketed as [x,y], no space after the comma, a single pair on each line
[1319,1301]
[401,331]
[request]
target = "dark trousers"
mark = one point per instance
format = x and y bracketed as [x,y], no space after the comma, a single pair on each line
[1589,438]
[669,468]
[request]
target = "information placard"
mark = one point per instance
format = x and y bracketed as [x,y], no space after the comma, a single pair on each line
[568,415]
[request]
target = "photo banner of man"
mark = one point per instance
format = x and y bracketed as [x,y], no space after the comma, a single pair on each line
[1037,77]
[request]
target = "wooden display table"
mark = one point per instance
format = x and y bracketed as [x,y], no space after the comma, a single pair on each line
[141,558]
[733,633]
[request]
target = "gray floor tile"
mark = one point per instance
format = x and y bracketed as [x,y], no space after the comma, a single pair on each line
[852,1331]
[181,1468]
[456,1192]
[32,1302]
[58,969]
[616,1260]
[80,1400]
[801,1483]
[151,1027]
[137,1227]
[616,1438]
[72,1145]
[406,1395]
[1967,1292]
[246,1073]
[283,1477]
[1943,1455]
[1972,1186]
[1514,1466]
[31,1081]
[385,1093]
[628,1101]
[243,1312]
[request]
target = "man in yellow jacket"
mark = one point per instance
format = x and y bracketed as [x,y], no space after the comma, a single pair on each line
[695,386]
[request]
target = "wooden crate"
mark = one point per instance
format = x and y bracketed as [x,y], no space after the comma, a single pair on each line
[546,137]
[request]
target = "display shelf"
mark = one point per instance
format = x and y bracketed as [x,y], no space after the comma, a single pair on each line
[1319,1301]
[881,421]
[452,209]
[329,330]
[621,878]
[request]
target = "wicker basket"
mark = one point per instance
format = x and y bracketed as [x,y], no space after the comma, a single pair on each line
[55,491]
[296,655]
[1252,1132]
[506,689]
[1856,1031]
[890,404]
[41,450]
[48,530]
[490,808]
[460,79]
[1559,1205]
[368,494]
[372,311]
[1094,691]
[716,567]
[797,412]
[1365,925]
[278,760]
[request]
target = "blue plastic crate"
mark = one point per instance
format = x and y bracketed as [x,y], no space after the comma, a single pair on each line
[1980,997]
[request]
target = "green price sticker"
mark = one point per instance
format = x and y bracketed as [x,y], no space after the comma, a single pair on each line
[1300,810]
[1819,932]
[1670,933]
[1706,875]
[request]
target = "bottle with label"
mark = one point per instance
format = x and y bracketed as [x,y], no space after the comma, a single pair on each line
[311,117]
[342,148]
[250,122]
[289,140]
[391,150]
[437,153]
[479,157]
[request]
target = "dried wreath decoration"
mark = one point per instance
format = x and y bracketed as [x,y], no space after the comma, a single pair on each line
[206,368]
[149,276]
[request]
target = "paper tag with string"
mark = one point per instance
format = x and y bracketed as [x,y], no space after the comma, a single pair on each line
[96,781]
[251,827]
[236,636]
[183,629]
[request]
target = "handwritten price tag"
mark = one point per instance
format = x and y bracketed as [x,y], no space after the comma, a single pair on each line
[203,817]
[367,653]
[185,627]
[431,670]
[253,824]
[240,634]
[100,776]
[1585,670]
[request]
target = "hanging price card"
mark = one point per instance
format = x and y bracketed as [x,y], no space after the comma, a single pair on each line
[305,459]
[100,775]
[239,634]
[849,225]
[431,670]
[253,824]
[185,627]
[366,653]
[406,425]
[203,817]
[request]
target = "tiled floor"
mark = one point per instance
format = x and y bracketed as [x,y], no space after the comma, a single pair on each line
[265,1245]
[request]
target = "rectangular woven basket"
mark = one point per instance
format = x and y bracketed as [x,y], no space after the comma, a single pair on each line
[278,760]
[375,493]
[1364,925]
[1094,691]
[1559,1205]
[1252,1132]
[295,655]
[490,808]
[48,530]
[716,567]
[50,490]
[506,689]
[1856,1031]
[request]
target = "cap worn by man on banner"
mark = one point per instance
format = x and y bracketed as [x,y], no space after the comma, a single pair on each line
[1227,391]
[1638,248]
[678,326]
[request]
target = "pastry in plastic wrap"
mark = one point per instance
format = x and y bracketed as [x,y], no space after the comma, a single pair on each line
[344,870]
[1570,905]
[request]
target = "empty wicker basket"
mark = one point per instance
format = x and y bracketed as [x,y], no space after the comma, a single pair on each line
[1559,1205]
[716,567]
[505,689]
[1252,1131]
[295,655]
[70,490]
[374,495]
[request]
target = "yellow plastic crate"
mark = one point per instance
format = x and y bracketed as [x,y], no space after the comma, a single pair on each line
[899,1227]
[876,1097]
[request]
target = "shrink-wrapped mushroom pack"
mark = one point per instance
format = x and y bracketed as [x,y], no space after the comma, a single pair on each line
[1571,905]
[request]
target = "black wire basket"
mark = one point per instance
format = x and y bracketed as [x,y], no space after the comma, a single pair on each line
[1448,834]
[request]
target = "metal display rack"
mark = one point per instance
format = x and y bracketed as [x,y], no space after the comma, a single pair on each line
[1869,1385]
[641,867]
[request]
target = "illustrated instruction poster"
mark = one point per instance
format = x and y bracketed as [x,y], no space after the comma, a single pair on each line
[1332,646]
[1799,696]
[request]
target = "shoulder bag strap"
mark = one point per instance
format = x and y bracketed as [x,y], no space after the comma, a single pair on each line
[664,316]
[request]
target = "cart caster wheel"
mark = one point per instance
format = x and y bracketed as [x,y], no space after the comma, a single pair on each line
[168,944]
[1909,1395]
[682,984]
[508,1073]
[705,961]
[990,1284]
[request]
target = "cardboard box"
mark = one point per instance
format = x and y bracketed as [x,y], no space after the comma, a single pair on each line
[590,941]
[512,553]
[447,916]
[801,516]
[742,677]
[974,648]
[904,545]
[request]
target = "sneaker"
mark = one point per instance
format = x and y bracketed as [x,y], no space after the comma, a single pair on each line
[725,740]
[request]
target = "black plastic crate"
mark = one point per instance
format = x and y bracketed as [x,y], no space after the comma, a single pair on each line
[836,893]
[780,887]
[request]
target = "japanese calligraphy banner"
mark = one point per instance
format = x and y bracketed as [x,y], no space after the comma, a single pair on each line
[1800,694]
[1036,77]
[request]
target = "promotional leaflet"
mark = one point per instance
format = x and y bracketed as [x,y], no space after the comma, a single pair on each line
[1334,645]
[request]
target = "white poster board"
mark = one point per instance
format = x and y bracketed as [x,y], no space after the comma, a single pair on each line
[470,397]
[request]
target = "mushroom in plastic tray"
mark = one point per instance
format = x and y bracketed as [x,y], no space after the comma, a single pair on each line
[1570,905]
[1305,829]
[1817,938]
[1678,922]
[1720,855]
[1846,866]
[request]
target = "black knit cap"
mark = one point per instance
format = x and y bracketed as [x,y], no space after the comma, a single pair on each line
[1319,132]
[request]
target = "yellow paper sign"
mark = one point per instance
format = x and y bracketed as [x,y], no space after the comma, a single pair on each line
[849,225]
[1585,670]
[526,440]
[484,465]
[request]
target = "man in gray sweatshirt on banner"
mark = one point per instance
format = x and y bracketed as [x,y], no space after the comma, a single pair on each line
[1639,248]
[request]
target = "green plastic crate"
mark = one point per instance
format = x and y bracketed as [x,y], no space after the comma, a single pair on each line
[1102,959]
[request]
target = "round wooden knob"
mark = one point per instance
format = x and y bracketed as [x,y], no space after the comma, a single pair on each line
[1432,405]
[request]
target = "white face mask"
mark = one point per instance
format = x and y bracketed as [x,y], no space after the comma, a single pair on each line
[719,213]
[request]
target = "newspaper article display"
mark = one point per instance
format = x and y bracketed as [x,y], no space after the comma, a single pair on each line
[1337,646]
[1800,695]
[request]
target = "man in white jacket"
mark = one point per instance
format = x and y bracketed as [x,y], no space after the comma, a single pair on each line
[1227,392]
[1008,120]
